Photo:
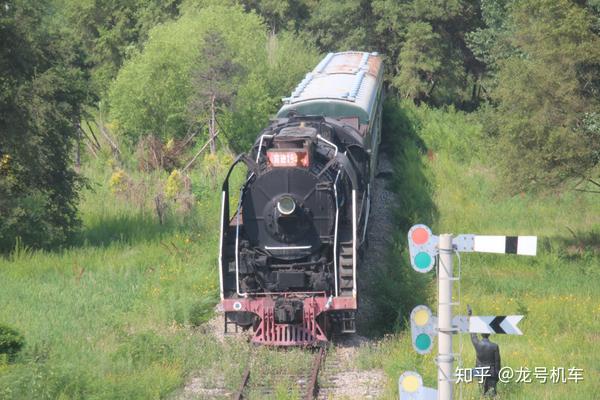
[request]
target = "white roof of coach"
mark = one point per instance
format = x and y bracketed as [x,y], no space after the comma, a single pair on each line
[342,84]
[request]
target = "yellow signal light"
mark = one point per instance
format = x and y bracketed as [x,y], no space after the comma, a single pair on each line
[421,317]
[410,384]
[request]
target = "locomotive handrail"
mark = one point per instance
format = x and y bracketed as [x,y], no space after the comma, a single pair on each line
[354,249]
[329,143]
[367,212]
[237,246]
[260,145]
[225,217]
[252,166]
[335,233]
[345,163]
[221,238]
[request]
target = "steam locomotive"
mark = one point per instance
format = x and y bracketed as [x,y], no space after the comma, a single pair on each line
[292,237]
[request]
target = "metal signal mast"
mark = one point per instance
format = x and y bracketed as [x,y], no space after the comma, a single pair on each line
[424,248]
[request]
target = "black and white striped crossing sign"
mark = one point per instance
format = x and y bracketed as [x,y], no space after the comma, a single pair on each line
[521,245]
[495,324]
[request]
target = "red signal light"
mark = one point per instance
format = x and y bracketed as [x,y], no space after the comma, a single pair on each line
[420,236]
[287,158]
[422,246]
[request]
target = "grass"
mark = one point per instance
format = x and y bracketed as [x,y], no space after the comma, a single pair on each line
[120,316]
[111,318]
[115,317]
[558,291]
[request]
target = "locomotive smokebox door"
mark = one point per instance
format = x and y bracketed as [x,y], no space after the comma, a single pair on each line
[283,209]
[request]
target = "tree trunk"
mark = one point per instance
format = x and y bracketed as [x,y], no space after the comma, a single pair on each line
[212,126]
[78,150]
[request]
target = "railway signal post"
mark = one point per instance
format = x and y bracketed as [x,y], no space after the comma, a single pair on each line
[424,248]
[445,358]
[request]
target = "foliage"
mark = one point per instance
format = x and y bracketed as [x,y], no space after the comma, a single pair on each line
[41,98]
[393,289]
[338,25]
[201,312]
[445,129]
[174,184]
[280,14]
[491,42]
[286,61]
[114,326]
[144,348]
[420,62]
[11,341]
[109,31]
[213,81]
[118,181]
[215,75]
[154,90]
[545,92]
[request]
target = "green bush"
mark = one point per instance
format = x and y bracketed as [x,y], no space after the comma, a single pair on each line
[155,91]
[11,342]
[201,311]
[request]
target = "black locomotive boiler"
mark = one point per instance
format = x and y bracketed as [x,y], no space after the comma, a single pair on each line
[290,248]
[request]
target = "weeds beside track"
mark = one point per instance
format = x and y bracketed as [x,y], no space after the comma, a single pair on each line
[254,382]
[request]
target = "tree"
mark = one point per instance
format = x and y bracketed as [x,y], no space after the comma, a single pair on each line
[546,120]
[40,101]
[438,68]
[420,62]
[110,31]
[213,82]
[390,21]
[153,90]
[340,25]
[490,43]
[157,90]
[286,62]
[280,14]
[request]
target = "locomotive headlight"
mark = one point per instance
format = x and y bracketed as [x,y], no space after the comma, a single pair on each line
[286,205]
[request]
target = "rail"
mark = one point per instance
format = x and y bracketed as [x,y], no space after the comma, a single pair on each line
[311,390]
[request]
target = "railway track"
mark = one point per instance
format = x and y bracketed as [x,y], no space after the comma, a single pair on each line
[306,382]
[328,380]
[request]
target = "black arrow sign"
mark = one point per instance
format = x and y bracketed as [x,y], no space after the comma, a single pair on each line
[495,324]
[503,324]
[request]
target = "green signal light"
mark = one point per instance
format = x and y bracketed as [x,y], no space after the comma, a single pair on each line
[422,260]
[423,342]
